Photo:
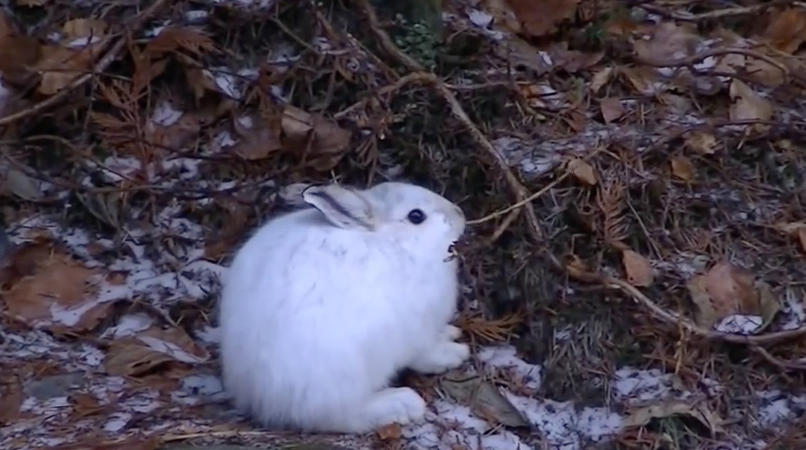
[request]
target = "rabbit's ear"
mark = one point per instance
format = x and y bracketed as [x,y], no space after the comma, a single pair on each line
[343,207]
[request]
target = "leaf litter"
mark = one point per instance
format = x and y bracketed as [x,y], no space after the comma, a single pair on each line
[108,333]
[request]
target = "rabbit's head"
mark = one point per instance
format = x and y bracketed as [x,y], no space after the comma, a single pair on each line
[415,218]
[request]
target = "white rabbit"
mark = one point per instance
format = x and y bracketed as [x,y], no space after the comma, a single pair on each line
[323,306]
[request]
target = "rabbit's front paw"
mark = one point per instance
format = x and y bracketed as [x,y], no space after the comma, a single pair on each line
[450,333]
[442,357]
[394,405]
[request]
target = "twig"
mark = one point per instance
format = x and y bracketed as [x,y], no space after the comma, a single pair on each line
[214,433]
[384,39]
[694,59]
[678,320]
[110,56]
[518,205]
[502,227]
[786,365]
[715,14]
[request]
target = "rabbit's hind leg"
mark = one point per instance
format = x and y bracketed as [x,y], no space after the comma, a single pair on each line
[391,405]
[442,357]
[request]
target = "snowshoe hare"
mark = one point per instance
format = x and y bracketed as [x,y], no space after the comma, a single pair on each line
[321,307]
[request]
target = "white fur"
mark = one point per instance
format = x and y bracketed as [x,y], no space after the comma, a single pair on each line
[317,319]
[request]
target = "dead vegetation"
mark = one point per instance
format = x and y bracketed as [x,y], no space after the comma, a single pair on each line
[636,170]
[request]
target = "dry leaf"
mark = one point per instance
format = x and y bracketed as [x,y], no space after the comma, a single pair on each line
[600,79]
[612,109]
[572,60]
[148,349]
[78,28]
[638,269]
[701,142]
[728,64]
[796,230]
[21,185]
[261,140]
[642,416]
[60,293]
[11,397]
[787,30]
[319,140]
[18,52]
[130,358]
[541,18]
[175,343]
[582,171]
[485,400]
[668,42]
[642,79]
[391,432]
[727,290]
[683,168]
[521,53]
[172,133]
[764,73]
[748,105]
[172,39]
[61,65]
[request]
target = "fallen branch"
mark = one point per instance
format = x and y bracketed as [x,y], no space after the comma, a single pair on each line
[694,59]
[717,13]
[112,55]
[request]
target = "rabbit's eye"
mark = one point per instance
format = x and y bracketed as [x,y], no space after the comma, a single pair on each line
[416,216]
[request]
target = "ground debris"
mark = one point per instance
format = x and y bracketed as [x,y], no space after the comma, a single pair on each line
[633,174]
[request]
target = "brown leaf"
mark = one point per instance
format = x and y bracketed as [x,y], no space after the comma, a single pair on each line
[391,432]
[18,52]
[787,30]
[572,60]
[11,397]
[701,142]
[642,79]
[764,73]
[130,358]
[582,171]
[172,39]
[638,269]
[521,53]
[726,290]
[77,28]
[61,65]
[668,42]
[261,140]
[314,137]
[612,109]
[61,293]
[485,400]
[683,168]
[748,105]
[541,18]
[796,230]
[600,79]
[166,135]
[175,343]
[642,416]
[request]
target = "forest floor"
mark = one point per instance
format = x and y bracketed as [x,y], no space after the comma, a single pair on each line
[633,273]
